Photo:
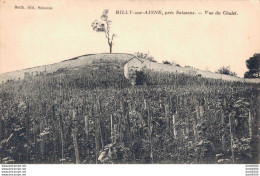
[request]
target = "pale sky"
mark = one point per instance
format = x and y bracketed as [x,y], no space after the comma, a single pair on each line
[39,37]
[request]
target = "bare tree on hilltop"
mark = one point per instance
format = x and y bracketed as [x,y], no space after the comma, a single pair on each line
[104,26]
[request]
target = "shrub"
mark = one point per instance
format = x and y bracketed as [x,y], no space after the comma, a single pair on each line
[166,62]
[141,78]
[226,71]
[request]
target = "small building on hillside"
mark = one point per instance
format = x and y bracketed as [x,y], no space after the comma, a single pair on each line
[131,66]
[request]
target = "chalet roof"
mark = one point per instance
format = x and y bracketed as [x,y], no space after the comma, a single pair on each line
[135,57]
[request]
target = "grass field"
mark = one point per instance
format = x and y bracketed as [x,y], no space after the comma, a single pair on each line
[92,114]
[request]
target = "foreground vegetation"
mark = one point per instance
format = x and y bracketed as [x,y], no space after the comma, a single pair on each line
[95,116]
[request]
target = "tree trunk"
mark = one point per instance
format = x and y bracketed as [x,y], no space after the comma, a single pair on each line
[110,47]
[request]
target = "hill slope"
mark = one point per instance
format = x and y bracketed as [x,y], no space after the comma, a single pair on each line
[118,60]
[86,105]
[73,63]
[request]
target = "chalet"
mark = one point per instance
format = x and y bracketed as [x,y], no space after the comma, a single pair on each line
[132,65]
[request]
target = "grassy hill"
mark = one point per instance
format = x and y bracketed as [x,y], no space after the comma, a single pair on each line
[80,107]
[74,63]
[94,61]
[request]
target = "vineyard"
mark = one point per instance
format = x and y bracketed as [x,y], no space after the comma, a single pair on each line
[90,116]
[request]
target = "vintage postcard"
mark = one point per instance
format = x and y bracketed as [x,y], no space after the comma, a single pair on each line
[129,82]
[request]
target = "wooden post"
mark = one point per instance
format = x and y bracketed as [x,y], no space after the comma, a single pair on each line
[176,114]
[222,117]
[28,121]
[160,101]
[223,138]
[86,131]
[74,136]
[2,133]
[201,113]
[101,128]
[120,129]
[62,138]
[112,131]
[170,116]
[2,130]
[177,105]
[166,113]
[198,114]
[166,110]
[54,132]
[250,124]
[129,129]
[174,126]
[100,125]
[86,125]
[96,137]
[42,139]
[195,130]
[35,140]
[75,143]
[231,139]
[150,130]
[186,126]
[46,121]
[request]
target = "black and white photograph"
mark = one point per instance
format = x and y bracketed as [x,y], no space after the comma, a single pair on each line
[129,82]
